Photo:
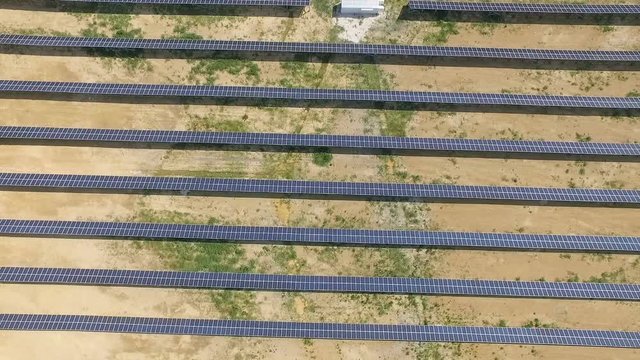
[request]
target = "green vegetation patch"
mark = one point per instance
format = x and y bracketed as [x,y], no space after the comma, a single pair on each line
[282,166]
[322,157]
[112,25]
[217,257]
[324,8]
[117,26]
[301,74]
[285,258]
[395,122]
[206,70]
[368,76]
[442,31]
[183,32]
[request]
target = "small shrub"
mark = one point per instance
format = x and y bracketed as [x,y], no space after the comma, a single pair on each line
[322,158]
[583,137]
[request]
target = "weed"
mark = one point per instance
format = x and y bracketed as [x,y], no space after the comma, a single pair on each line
[235,304]
[37,31]
[510,134]
[117,26]
[589,80]
[207,69]
[536,323]
[369,76]
[616,276]
[286,258]
[444,180]
[232,172]
[182,32]
[572,277]
[212,123]
[392,122]
[394,262]
[334,34]
[633,93]
[112,25]
[458,133]
[581,165]
[614,184]
[597,257]
[328,254]
[444,29]
[281,166]
[323,7]
[203,257]
[300,74]
[430,351]
[172,217]
[322,158]
[485,28]
[583,137]
[607,28]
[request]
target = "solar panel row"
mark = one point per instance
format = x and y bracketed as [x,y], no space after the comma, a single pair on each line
[324,189]
[315,48]
[298,94]
[277,329]
[525,7]
[321,236]
[308,283]
[93,136]
[200,2]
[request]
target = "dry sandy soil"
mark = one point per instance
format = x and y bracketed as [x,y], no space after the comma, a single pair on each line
[318,307]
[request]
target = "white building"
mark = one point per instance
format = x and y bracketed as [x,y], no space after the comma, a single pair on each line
[361,7]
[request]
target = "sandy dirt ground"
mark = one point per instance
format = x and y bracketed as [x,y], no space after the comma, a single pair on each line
[310,26]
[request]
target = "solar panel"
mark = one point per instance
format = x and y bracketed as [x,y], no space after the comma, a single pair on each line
[98,136]
[280,329]
[200,2]
[525,7]
[312,283]
[299,94]
[319,189]
[321,236]
[315,48]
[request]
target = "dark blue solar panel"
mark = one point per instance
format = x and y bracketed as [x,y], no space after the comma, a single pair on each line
[93,136]
[200,2]
[525,7]
[277,329]
[322,189]
[310,283]
[317,48]
[254,92]
[321,236]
